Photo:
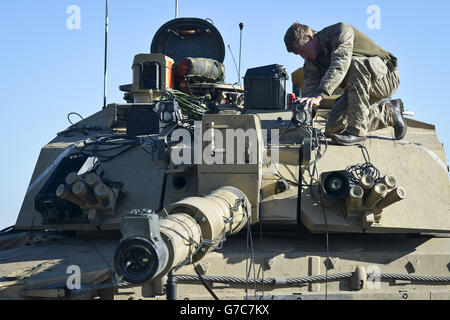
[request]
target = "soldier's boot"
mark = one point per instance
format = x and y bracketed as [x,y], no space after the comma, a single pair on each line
[347,139]
[400,126]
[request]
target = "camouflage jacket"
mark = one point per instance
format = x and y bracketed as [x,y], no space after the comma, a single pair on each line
[340,43]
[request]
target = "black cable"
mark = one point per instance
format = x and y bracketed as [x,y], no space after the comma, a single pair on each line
[261,244]
[327,251]
[74,113]
[124,143]
[250,236]
[171,286]
[358,170]
[163,188]
[202,280]
[319,154]
[313,165]
[76,129]
[315,171]
[235,65]
[287,130]
[299,186]
[248,268]
[315,134]
[325,219]
[314,174]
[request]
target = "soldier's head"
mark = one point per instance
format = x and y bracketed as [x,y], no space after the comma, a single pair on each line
[300,40]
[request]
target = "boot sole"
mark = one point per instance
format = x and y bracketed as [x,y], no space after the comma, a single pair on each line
[402,109]
[346,143]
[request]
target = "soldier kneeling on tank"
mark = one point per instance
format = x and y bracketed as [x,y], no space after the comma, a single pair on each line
[342,56]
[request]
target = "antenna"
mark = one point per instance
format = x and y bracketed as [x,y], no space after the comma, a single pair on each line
[176,9]
[235,65]
[105,82]
[241,26]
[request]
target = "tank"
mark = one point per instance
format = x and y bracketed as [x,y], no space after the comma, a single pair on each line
[184,191]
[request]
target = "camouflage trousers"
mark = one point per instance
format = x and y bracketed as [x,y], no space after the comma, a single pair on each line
[362,108]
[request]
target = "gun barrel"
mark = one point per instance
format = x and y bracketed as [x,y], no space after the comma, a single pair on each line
[153,246]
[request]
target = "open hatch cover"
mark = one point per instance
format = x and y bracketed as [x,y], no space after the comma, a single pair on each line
[189,37]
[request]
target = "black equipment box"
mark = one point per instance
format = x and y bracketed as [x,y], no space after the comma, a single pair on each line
[265,87]
[142,120]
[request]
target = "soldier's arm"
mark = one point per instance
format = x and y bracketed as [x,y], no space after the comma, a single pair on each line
[311,80]
[342,44]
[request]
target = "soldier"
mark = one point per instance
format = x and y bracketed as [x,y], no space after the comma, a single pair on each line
[342,56]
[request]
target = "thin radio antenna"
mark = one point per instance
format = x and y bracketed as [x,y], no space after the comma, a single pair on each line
[176,9]
[105,80]
[232,55]
[241,26]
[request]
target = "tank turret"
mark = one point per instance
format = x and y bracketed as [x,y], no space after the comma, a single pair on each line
[172,187]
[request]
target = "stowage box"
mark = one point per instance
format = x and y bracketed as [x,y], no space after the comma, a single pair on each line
[265,87]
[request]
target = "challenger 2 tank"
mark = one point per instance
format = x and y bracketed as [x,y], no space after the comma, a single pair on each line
[198,189]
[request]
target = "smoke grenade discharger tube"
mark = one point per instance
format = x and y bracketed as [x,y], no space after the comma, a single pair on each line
[92,179]
[65,192]
[151,247]
[390,182]
[366,181]
[354,202]
[82,191]
[72,178]
[103,194]
[376,194]
[392,197]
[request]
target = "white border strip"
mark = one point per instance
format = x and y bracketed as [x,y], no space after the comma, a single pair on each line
[50,168]
[430,152]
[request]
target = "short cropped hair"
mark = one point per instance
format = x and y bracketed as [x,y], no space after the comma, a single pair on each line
[297,35]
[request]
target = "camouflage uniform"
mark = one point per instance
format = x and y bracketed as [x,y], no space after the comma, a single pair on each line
[365,71]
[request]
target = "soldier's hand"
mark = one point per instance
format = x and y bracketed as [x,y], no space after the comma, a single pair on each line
[311,101]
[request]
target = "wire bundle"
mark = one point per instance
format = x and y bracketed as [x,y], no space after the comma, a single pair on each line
[358,170]
[76,129]
[318,137]
[109,147]
[189,104]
